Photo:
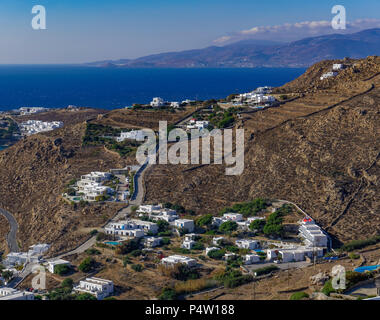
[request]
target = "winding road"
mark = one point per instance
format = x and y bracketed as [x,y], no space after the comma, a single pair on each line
[12,235]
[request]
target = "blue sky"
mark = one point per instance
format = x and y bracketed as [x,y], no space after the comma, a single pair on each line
[84,30]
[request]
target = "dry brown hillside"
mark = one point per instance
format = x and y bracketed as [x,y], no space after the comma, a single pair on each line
[33,174]
[323,156]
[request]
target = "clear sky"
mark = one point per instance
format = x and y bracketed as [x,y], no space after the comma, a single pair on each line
[90,30]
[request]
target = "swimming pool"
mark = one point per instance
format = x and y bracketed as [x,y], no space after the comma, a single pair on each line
[114,243]
[367,268]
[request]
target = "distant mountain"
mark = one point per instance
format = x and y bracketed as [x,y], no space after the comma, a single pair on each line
[262,53]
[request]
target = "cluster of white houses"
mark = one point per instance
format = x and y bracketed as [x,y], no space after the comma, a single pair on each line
[197,124]
[31,110]
[21,258]
[91,187]
[335,68]
[30,127]
[258,96]
[235,217]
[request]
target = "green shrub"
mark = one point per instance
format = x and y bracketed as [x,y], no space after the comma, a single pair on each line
[327,288]
[299,295]
[126,261]
[62,269]
[354,256]
[167,294]
[67,283]
[265,270]
[87,265]
[228,226]
[216,254]
[137,267]
[359,244]
[92,251]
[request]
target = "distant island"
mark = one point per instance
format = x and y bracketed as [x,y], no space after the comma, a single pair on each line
[261,53]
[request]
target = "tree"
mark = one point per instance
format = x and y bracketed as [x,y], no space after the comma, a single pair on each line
[228,226]
[67,283]
[167,294]
[205,220]
[7,275]
[162,225]
[87,265]
[216,254]
[257,225]
[61,269]
[85,296]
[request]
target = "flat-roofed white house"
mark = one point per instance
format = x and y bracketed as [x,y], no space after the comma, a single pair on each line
[185,224]
[152,242]
[338,66]
[312,234]
[148,208]
[58,262]
[100,288]
[328,75]
[272,254]
[247,244]
[167,215]
[157,102]
[187,244]
[216,240]
[208,249]
[14,294]
[190,236]
[131,135]
[251,258]
[175,259]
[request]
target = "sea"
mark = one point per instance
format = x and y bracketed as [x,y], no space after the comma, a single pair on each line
[57,86]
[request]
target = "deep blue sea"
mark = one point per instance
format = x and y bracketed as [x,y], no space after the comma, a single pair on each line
[108,88]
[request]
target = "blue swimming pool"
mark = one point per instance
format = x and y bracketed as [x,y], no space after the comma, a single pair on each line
[367,268]
[114,243]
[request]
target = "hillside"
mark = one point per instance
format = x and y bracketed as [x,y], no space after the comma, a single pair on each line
[254,53]
[320,151]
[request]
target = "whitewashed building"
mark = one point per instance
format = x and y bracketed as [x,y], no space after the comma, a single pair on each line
[14,294]
[185,224]
[99,288]
[157,102]
[58,262]
[251,258]
[247,244]
[175,259]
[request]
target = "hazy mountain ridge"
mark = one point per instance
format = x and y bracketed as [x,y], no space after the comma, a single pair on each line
[255,53]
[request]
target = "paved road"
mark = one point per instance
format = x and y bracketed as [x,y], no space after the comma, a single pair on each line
[12,235]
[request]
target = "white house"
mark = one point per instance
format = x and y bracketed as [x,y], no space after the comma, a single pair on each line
[272,254]
[187,244]
[57,262]
[251,258]
[236,217]
[167,215]
[186,224]
[131,135]
[148,208]
[211,249]
[157,102]
[14,294]
[175,259]
[312,234]
[229,256]
[338,66]
[175,104]
[216,240]
[247,244]
[152,242]
[328,75]
[99,288]
[190,236]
